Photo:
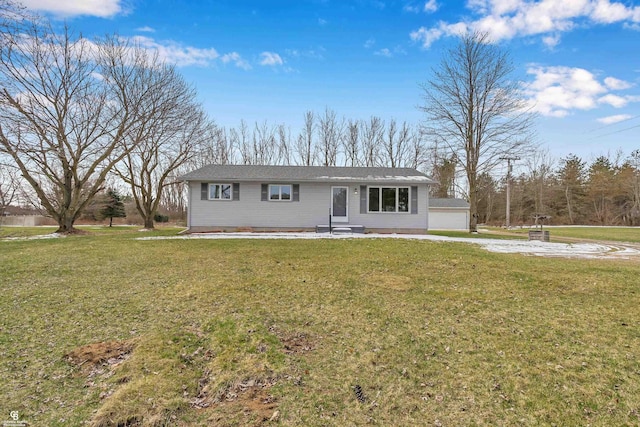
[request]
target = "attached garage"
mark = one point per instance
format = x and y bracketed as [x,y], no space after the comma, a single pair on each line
[448,214]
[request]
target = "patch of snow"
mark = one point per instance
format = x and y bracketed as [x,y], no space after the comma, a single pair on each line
[536,248]
[37,237]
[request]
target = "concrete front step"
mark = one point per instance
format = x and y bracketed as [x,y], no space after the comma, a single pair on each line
[342,228]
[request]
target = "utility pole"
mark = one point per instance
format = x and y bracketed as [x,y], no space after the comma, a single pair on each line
[509,160]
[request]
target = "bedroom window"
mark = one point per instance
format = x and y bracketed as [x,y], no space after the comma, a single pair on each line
[388,199]
[220,191]
[280,192]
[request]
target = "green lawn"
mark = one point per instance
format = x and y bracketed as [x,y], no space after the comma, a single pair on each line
[614,234]
[236,332]
[617,234]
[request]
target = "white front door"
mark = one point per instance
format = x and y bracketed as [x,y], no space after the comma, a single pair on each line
[339,204]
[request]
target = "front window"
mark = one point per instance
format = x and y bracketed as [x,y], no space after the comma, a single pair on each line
[374,199]
[403,199]
[280,192]
[220,192]
[388,199]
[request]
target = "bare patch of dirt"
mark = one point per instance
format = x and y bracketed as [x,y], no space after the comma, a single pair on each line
[250,398]
[294,342]
[256,400]
[93,356]
[297,343]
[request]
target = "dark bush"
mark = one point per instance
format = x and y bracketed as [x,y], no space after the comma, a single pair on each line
[161,218]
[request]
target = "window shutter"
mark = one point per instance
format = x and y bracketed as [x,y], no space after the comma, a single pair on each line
[264,193]
[236,191]
[296,192]
[204,191]
[414,199]
[363,199]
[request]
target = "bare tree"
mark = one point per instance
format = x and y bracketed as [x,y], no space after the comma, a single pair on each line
[171,127]
[540,169]
[330,131]
[240,139]
[396,144]
[284,145]
[571,177]
[474,109]
[9,185]
[351,143]
[13,16]
[634,186]
[600,189]
[372,132]
[305,146]
[217,148]
[417,150]
[264,144]
[65,107]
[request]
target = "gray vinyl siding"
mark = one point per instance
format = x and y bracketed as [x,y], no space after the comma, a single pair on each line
[311,210]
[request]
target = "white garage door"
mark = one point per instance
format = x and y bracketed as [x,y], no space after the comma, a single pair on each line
[443,219]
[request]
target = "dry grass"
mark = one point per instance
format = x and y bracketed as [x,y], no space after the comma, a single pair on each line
[245,332]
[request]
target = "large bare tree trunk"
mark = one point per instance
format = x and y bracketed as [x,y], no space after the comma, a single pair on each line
[63,127]
[172,126]
[475,110]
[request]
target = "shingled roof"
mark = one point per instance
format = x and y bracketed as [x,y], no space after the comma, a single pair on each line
[448,203]
[248,173]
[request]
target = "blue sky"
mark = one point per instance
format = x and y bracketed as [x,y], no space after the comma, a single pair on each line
[578,60]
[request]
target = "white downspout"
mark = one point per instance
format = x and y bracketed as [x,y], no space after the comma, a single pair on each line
[189,205]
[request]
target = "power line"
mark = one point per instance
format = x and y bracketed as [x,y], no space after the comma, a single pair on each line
[615,132]
[509,159]
[612,124]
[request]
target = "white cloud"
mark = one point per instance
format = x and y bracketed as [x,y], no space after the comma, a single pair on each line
[506,19]
[369,43]
[427,36]
[66,8]
[616,84]
[431,6]
[236,59]
[607,12]
[271,58]
[411,8]
[614,100]
[551,41]
[146,29]
[556,91]
[383,52]
[177,53]
[316,53]
[322,22]
[614,119]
